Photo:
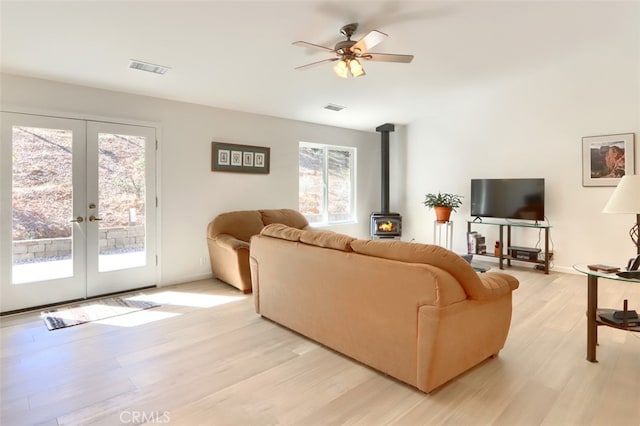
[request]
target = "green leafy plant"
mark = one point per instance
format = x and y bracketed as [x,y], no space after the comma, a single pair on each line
[452,201]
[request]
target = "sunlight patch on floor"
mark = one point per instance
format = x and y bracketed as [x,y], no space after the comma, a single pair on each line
[195,300]
[135,319]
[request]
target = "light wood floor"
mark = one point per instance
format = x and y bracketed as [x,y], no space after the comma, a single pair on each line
[205,358]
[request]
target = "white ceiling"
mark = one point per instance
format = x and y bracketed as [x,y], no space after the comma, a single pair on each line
[238,54]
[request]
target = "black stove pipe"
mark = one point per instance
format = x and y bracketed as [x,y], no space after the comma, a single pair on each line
[384,130]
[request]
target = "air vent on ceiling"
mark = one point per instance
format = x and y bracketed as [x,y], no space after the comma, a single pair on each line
[334,107]
[146,66]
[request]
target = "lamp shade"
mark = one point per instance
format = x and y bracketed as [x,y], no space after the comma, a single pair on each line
[626,197]
[341,69]
[356,68]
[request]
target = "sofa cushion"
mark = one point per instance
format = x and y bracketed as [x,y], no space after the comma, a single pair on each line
[288,217]
[327,239]
[396,250]
[284,232]
[240,224]
[423,253]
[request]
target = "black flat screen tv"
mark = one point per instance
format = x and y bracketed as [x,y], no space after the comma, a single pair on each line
[508,198]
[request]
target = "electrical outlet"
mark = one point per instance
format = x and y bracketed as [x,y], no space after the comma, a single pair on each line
[203,261]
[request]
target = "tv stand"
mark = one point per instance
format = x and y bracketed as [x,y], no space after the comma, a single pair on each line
[508,255]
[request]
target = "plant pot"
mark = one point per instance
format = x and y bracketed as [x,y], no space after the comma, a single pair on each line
[442,214]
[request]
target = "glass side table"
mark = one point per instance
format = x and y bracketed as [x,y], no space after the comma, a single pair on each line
[593,320]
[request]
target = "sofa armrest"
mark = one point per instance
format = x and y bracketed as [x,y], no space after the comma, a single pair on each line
[230,243]
[496,285]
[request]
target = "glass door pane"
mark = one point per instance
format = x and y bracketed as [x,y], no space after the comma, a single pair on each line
[121,197]
[42,250]
[42,203]
[121,207]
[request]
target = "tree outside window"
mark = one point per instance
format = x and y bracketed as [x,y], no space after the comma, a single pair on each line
[326,183]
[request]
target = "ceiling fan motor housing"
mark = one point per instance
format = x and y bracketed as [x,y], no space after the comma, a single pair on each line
[349,29]
[344,47]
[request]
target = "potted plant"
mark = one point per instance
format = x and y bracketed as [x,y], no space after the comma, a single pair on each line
[443,204]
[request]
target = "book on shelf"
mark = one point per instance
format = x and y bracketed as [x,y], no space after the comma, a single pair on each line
[471,242]
[476,243]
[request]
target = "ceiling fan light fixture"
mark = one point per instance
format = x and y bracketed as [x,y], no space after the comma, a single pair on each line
[341,68]
[348,67]
[356,68]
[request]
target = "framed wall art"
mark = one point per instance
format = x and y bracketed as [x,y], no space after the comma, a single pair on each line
[227,157]
[606,159]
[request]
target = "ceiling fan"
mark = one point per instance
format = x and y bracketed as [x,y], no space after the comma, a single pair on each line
[349,52]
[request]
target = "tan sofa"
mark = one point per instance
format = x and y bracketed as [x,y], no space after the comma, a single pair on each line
[419,313]
[228,241]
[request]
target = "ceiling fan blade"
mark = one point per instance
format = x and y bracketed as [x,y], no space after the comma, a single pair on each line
[388,57]
[311,46]
[313,64]
[372,38]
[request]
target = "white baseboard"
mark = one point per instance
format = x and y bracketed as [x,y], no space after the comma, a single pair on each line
[185,279]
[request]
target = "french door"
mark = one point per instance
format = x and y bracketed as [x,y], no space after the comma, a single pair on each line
[78,205]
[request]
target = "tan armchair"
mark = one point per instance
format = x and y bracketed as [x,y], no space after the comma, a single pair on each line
[228,238]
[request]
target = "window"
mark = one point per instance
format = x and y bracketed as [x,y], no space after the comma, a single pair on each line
[327,183]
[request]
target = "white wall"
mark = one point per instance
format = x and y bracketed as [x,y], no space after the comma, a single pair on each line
[529,123]
[190,194]
[563,70]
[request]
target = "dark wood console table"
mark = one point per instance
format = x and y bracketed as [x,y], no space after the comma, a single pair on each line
[593,321]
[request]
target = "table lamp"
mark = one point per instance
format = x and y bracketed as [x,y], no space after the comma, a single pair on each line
[626,199]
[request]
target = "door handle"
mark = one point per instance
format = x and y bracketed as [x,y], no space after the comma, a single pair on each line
[92,218]
[79,219]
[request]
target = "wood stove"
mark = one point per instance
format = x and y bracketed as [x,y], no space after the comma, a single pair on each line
[385,224]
